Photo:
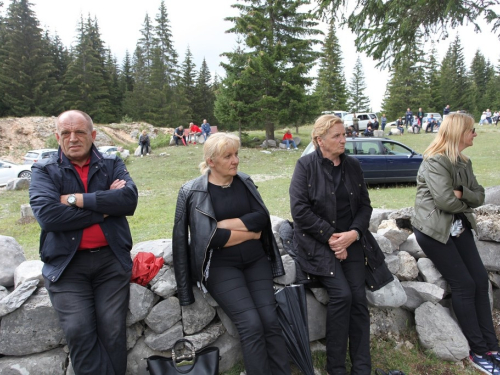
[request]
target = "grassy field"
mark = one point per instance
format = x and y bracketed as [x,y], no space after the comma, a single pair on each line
[159,178]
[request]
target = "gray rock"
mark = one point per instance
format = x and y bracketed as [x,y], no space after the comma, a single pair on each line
[210,300]
[492,195]
[197,315]
[18,184]
[408,269]
[390,321]
[229,351]
[17,297]
[3,292]
[32,328]
[494,278]
[165,340]
[52,362]
[393,263]
[420,292]
[496,299]
[391,295]
[378,214]
[393,233]
[228,323]
[29,270]
[160,248]
[385,244]
[317,346]
[136,365]
[316,318]
[26,211]
[12,255]
[207,336]
[412,247]
[438,332]
[141,302]
[321,295]
[290,273]
[488,222]
[403,217]
[164,315]
[490,254]
[276,223]
[164,283]
[430,273]
[133,333]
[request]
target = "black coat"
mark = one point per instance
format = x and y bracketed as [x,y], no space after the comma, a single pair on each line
[194,227]
[314,211]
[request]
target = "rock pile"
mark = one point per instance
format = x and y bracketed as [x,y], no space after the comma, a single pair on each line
[32,342]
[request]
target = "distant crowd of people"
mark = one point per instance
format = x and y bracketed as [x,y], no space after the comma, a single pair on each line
[180,136]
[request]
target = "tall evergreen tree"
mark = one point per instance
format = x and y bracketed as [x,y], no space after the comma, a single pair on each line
[126,77]
[280,55]
[331,85]
[204,98]
[358,101]
[480,75]
[454,85]
[26,68]
[432,77]
[87,80]
[188,83]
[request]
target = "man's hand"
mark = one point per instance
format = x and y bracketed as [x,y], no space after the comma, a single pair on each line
[117,184]
[458,194]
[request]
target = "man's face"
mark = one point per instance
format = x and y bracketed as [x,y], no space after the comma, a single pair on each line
[75,136]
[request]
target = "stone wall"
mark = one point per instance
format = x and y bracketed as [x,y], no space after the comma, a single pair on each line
[32,342]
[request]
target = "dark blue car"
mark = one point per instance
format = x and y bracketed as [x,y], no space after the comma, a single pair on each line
[382,160]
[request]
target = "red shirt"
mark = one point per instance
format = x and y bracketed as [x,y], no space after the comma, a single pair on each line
[287,136]
[92,236]
[194,129]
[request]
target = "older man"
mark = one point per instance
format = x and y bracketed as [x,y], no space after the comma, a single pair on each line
[80,199]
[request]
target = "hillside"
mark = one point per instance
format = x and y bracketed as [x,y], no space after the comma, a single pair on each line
[19,135]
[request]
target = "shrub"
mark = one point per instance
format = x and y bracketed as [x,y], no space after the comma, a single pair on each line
[126,119]
[51,142]
[162,140]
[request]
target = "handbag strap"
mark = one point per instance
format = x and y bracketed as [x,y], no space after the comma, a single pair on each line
[191,357]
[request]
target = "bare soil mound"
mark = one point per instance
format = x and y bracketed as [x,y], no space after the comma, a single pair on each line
[19,135]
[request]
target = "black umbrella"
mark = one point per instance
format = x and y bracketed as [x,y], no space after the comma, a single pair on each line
[292,315]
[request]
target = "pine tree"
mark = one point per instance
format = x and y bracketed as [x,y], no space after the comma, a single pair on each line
[432,78]
[188,82]
[358,101]
[479,83]
[87,81]
[204,98]
[331,86]
[126,78]
[26,68]
[280,55]
[455,85]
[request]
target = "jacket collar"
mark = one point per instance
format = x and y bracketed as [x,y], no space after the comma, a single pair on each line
[95,156]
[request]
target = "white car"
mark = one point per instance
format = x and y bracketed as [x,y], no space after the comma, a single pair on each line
[113,150]
[9,171]
[36,155]
[363,118]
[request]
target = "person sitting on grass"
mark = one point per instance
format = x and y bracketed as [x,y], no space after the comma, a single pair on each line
[368,131]
[288,139]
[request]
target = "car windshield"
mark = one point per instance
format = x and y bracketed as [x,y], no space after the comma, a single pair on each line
[348,117]
[396,149]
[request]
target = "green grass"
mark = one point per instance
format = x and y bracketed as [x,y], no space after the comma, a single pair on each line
[159,178]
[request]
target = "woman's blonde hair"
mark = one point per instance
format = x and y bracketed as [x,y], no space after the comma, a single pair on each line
[216,145]
[322,125]
[447,141]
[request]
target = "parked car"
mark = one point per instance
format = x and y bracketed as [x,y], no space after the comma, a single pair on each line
[113,150]
[10,170]
[363,117]
[336,112]
[36,155]
[382,159]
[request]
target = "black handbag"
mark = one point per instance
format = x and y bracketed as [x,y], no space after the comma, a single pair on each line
[202,362]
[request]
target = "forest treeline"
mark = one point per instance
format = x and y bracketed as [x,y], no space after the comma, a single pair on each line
[268,78]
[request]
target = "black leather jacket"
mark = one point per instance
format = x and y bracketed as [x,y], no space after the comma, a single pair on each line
[194,227]
[315,212]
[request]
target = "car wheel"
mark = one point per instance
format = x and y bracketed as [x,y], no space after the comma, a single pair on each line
[25,174]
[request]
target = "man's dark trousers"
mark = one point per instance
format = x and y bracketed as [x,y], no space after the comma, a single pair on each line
[91,298]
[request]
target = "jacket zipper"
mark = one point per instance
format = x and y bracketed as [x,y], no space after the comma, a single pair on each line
[208,244]
[428,216]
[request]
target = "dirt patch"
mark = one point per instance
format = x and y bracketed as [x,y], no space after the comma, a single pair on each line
[21,134]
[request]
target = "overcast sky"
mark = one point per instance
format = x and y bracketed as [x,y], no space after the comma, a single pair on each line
[200,25]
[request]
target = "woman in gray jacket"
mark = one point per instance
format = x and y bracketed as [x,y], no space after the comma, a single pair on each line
[447,191]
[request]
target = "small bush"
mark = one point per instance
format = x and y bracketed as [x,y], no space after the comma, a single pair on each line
[51,142]
[126,119]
